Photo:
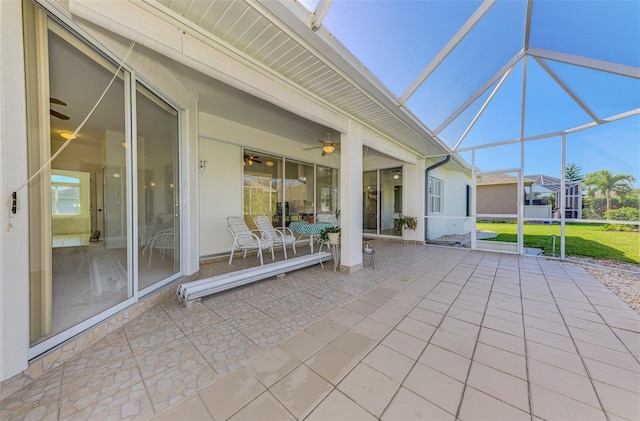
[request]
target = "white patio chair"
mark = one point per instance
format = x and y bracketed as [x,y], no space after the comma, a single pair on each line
[162,241]
[245,239]
[282,236]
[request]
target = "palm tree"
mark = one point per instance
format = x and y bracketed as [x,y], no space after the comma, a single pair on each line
[605,182]
[573,172]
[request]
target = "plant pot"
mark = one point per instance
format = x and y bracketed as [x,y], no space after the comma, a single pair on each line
[334,237]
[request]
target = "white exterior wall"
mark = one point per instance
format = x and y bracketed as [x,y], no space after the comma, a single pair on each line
[14,267]
[454,204]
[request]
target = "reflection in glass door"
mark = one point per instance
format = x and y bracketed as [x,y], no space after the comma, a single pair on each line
[158,193]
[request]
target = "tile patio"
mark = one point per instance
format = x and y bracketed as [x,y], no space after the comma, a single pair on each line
[431,333]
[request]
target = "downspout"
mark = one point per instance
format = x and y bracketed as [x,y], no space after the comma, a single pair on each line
[426,190]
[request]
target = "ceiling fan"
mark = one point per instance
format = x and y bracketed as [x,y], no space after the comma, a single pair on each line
[328,145]
[55,113]
[251,159]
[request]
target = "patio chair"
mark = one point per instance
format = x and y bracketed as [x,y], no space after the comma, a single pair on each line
[245,239]
[282,236]
[162,241]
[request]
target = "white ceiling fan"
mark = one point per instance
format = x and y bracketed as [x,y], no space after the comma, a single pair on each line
[328,145]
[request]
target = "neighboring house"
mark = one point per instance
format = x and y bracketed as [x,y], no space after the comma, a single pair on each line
[200,122]
[497,194]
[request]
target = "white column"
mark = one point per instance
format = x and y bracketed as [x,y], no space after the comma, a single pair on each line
[413,196]
[351,198]
[14,263]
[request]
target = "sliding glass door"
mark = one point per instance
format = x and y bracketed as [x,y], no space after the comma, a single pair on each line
[382,201]
[79,210]
[158,193]
[83,207]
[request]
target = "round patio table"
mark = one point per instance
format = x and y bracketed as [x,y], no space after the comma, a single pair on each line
[307,229]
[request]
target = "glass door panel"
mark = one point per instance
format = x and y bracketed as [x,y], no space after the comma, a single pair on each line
[299,180]
[261,184]
[158,193]
[326,191]
[370,202]
[498,197]
[390,201]
[78,207]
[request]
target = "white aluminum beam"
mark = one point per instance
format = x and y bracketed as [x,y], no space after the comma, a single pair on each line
[447,49]
[567,89]
[484,106]
[318,15]
[510,64]
[589,63]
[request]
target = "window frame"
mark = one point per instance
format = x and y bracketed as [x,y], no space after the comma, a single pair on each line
[432,196]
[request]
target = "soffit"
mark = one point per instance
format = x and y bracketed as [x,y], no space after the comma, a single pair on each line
[253,31]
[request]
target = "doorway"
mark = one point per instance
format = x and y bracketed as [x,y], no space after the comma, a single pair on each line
[498,201]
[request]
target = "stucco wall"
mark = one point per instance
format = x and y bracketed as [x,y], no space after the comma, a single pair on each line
[497,199]
[453,219]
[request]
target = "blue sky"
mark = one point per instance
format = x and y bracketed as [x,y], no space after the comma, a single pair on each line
[396,39]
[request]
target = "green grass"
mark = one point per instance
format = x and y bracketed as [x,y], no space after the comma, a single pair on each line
[589,240]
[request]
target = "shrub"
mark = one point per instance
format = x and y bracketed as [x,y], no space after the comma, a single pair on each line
[622,214]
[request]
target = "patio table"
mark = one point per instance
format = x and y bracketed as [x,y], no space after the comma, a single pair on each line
[305,228]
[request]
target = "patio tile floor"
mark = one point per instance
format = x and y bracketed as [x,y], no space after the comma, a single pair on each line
[431,333]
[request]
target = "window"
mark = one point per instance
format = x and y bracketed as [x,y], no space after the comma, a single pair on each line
[435,196]
[65,195]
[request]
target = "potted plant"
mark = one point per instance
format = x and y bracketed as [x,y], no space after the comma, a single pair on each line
[330,234]
[410,222]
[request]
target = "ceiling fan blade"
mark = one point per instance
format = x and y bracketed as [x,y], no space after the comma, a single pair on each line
[57,101]
[59,115]
[314,147]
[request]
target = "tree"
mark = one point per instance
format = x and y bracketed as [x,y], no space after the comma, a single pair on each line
[573,172]
[605,182]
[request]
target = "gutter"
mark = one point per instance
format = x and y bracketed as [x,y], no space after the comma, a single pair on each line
[426,190]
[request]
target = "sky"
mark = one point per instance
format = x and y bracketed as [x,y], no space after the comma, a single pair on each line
[396,39]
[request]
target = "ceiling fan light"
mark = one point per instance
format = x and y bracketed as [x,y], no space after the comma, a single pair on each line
[67,135]
[269,163]
[328,148]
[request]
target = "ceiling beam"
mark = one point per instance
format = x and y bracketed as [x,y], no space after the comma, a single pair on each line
[447,49]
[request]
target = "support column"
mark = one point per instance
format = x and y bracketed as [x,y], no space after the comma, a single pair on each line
[351,198]
[413,197]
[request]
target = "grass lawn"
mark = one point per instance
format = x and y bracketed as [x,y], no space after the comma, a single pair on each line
[589,240]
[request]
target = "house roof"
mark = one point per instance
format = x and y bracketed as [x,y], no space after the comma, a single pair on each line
[501,178]
[550,183]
